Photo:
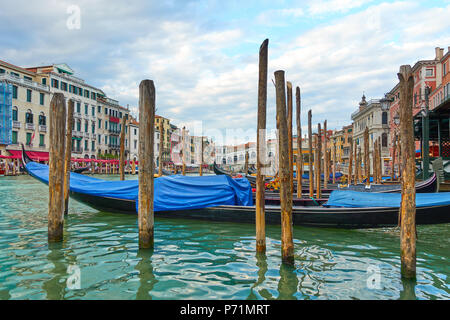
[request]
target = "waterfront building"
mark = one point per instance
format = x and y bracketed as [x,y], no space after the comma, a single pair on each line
[374,115]
[29,109]
[341,139]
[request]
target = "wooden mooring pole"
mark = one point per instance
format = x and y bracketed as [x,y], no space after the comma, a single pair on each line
[146,163]
[299,162]
[160,151]
[394,146]
[319,163]
[366,156]
[408,203]
[56,168]
[310,156]
[287,242]
[350,165]
[68,155]
[326,173]
[200,169]
[334,161]
[246,163]
[122,150]
[289,128]
[261,149]
[183,172]
[375,161]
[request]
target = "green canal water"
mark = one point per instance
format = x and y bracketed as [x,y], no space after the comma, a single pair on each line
[201,260]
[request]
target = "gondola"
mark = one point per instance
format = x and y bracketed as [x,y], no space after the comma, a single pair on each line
[80,170]
[315,216]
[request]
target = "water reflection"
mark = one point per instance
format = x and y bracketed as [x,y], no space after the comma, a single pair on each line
[409,289]
[288,284]
[55,287]
[261,263]
[147,279]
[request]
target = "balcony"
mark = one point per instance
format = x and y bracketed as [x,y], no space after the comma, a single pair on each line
[29,126]
[114,146]
[114,131]
[77,151]
[42,128]
[28,83]
[77,115]
[16,124]
[42,146]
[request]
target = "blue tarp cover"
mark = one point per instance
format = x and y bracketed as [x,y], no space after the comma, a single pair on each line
[306,176]
[170,192]
[355,199]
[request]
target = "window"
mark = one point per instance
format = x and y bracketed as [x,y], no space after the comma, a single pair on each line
[86,125]
[99,138]
[106,110]
[93,127]
[99,123]
[120,115]
[135,131]
[29,95]
[135,144]
[29,116]
[63,86]
[79,125]
[41,140]
[15,114]
[28,138]
[384,140]
[2,71]
[99,109]
[27,78]
[15,74]
[106,139]
[14,137]
[55,83]
[86,93]
[41,99]
[429,72]
[106,125]
[42,119]
[444,66]
[93,145]
[44,81]
[86,145]
[93,95]
[93,111]
[384,118]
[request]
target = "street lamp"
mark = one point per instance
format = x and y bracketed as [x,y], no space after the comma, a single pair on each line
[385,103]
[397,119]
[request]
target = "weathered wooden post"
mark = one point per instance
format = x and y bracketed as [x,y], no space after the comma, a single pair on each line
[318,163]
[326,173]
[160,151]
[334,161]
[394,145]
[68,155]
[289,123]
[374,161]
[133,167]
[260,148]
[287,242]
[350,165]
[200,169]
[408,203]
[122,150]
[183,138]
[310,156]
[246,163]
[380,160]
[56,168]
[316,167]
[299,162]
[146,163]
[359,165]
[366,156]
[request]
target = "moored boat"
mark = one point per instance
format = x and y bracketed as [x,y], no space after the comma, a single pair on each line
[431,209]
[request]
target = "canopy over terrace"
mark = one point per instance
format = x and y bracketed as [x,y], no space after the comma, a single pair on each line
[43,156]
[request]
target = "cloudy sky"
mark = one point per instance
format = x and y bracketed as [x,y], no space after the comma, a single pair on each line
[203,55]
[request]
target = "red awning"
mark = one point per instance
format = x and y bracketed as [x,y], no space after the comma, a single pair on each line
[34,155]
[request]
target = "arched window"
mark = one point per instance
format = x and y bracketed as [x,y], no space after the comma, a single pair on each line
[224,161]
[15,114]
[42,119]
[29,116]
[384,140]
[384,118]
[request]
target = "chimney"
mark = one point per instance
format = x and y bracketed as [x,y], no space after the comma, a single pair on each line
[439,53]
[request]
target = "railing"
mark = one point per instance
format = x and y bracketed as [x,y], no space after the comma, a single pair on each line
[79,150]
[16,124]
[7,76]
[115,131]
[114,146]
[29,126]
[42,128]
[42,146]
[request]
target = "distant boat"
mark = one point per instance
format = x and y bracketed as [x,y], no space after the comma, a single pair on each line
[210,197]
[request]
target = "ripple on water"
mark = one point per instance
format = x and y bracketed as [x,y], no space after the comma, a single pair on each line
[201,260]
